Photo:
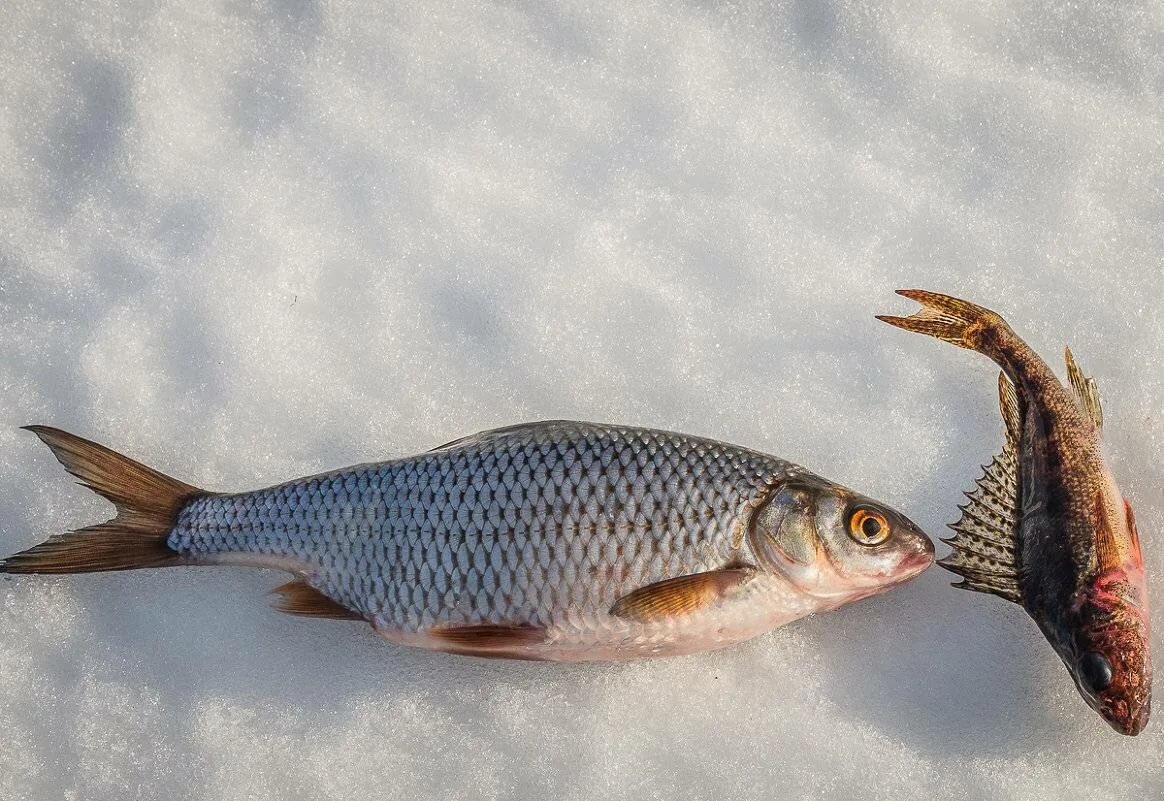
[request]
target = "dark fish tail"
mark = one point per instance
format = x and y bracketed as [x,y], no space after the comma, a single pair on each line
[147,502]
[970,326]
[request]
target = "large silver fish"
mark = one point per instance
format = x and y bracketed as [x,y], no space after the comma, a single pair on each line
[557,540]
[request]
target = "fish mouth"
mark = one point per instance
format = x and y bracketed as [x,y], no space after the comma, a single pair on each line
[913,563]
[919,559]
[1125,719]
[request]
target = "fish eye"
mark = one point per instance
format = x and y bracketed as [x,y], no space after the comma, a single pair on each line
[1095,671]
[868,527]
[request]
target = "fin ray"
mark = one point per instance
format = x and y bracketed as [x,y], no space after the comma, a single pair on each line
[994,587]
[680,596]
[300,598]
[148,503]
[1086,390]
[984,541]
[490,640]
[1012,408]
[491,434]
[947,318]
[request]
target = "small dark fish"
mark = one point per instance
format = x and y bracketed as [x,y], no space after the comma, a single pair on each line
[1047,527]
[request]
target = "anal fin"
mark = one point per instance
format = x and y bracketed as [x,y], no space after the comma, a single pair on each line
[300,598]
[984,540]
[680,596]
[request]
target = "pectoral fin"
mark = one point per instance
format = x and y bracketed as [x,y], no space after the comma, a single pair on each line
[681,596]
[1086,392]
[984,537]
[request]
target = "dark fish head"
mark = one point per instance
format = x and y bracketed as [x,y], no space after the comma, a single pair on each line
[1110,659]
[1105,642]
[832,542]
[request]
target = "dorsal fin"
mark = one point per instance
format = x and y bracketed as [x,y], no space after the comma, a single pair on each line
[984,537]
[1086,392]
[482,437]
[300,598]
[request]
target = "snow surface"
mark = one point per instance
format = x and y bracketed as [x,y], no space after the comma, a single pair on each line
[250,241]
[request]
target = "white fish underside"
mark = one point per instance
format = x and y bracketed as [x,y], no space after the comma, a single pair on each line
[545,525]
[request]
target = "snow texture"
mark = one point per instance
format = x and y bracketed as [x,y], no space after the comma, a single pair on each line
[248,241]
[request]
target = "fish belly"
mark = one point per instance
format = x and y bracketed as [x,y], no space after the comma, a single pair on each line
[769,602]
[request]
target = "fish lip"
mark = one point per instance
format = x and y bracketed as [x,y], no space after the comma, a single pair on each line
[1128,724]
[919,560]
[912,565]
[1132,724]
[1124,715]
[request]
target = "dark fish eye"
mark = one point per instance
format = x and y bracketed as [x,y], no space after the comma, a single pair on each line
[871,527]
[1095,671]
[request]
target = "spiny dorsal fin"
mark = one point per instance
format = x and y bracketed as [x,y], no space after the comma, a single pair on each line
[300,598]
[984,537]
[1086,392]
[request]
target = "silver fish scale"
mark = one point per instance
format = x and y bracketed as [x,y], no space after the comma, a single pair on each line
[534,524]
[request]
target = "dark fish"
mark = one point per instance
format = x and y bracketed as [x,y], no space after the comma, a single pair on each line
[1047,527]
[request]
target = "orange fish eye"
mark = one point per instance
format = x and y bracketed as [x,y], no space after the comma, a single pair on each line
[868,527]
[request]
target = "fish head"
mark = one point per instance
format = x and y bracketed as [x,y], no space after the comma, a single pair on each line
[1109,655]
[832,543]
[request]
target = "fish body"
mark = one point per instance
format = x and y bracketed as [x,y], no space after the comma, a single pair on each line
[1047,526]
[558,540]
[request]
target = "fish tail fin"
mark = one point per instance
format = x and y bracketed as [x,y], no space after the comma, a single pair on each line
[952,320]
[148,503]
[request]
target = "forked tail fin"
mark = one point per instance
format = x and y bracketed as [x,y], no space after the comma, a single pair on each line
[147,502]
[949,319]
